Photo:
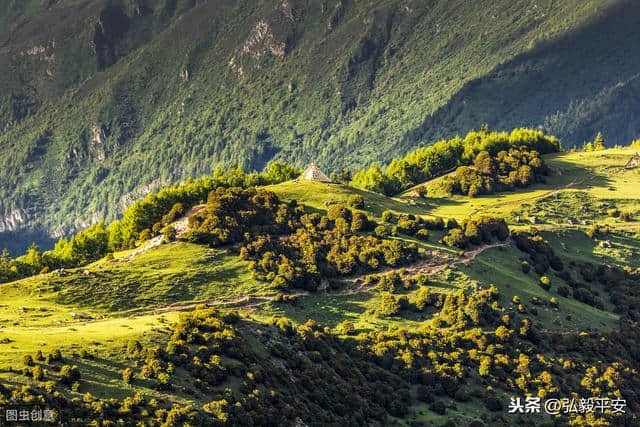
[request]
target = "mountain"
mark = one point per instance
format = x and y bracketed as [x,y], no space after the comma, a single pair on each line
[311,303]
[103,101]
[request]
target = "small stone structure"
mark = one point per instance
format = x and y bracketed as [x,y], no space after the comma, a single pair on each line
[313,173]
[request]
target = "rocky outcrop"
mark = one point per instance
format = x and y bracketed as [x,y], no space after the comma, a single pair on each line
[13,220]
[46,54]
[260,42]
[127,199]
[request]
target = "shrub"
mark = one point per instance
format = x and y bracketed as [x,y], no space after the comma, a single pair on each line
[338,211]
[545,282]
[388,305]
[145,235]
[381,231]
[422,234]
[626,216]
[388,217]
[553,301]
[27,360]
[613,212]
[127,375]
[455,238]
[438,407]
[69,374]
[345,328]
[356,201]
[37,373]
[170,234]
[526,268]
[563,291]
[503,333]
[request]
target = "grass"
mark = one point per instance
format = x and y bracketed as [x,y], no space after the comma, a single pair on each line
[501,268]
[318,195]
[596,179]
[173,273]
[96,337]
[126,297]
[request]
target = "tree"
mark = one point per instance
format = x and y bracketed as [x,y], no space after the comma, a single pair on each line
[356,201]
[484,163]
[279,171]
[598,144]
[342,176]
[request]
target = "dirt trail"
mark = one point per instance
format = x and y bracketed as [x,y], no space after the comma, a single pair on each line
[528,199]
[180,225]
[252,301]
[426,266]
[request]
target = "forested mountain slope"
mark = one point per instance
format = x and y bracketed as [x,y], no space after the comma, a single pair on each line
[102,101]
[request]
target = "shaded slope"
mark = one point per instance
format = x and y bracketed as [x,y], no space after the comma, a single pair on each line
[575,86]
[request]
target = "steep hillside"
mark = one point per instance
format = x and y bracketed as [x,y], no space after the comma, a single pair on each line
[119,97]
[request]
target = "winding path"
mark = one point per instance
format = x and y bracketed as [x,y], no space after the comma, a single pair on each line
[252,301]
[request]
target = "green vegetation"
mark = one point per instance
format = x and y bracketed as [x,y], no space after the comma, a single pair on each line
[324,303]
[479,147]
[84,130]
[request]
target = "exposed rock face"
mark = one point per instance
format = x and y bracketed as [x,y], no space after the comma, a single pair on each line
[13,220]
[46,54]
[128,199]
[260,42]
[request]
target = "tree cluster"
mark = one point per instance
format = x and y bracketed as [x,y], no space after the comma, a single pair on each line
[490,174]
[476,231]
[443,156]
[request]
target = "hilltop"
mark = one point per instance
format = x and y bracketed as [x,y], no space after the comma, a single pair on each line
[118,98]
[217,326]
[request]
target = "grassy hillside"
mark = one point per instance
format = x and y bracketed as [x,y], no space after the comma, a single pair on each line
[479,305]
[85,129]
[597,180]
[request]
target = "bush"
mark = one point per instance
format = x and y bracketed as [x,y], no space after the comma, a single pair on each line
[345,328]
[626,216]
[381,231]
[37,373]
[613,212]
[563,291]
[27,360]
[526,268]
[356,202]
[422,234]
[338,211]
[545,282]
[438,407]
[127,375]
[455,238]
[170,234]
[388,217]
[388,305]
[69,374]
[145,235]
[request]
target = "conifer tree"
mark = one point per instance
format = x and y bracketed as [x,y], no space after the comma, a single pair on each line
[598,144]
